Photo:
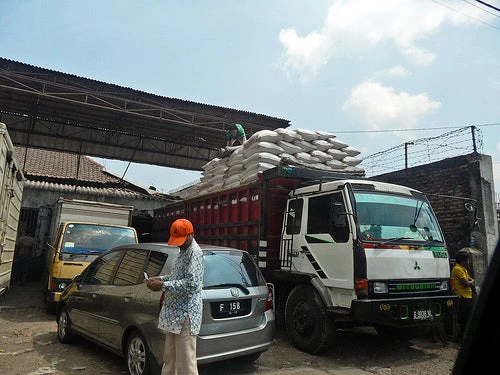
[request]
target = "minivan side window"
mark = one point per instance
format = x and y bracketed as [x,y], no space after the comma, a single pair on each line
[155,263]
[101,270]
[130,268]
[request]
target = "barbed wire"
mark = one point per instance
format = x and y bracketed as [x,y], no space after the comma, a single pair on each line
[421,151]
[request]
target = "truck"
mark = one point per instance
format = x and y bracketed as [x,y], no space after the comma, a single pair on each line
[11,191]
[80,230]
[340,252]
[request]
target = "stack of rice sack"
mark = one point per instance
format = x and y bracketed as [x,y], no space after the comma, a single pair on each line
[267,148]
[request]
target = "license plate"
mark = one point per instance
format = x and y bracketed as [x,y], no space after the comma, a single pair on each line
[227,309]
[423,314]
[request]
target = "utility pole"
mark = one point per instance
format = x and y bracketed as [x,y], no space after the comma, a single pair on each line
[406,153]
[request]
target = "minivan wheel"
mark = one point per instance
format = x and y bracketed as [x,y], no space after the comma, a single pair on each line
[306,320]
[64,332]
[137,358]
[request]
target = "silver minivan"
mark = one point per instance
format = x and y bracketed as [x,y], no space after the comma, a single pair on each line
[110,305]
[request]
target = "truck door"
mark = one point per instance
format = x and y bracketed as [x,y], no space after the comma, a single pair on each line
[290,250]
[328,239]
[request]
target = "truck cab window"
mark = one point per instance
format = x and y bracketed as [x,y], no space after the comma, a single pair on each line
[294,216]
[319,218]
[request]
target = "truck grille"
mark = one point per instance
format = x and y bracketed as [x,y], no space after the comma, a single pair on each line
[414,287]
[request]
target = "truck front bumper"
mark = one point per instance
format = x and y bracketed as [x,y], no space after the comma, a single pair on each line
[404,312]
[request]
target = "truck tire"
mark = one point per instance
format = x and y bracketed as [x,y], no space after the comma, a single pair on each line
[50,306]
[307,323]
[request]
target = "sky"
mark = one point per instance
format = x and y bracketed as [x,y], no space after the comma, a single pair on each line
[377,74]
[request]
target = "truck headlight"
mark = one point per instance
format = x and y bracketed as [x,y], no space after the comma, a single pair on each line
[380,287]
[61,286]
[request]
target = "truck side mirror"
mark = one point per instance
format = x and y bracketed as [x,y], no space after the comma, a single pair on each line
[338,215]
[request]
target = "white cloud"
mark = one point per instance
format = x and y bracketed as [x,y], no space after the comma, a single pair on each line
[353,27]
[395,71]
[376,107]
[306,54]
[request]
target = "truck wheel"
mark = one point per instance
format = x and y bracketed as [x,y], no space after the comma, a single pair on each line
[137,356]
[64,332]
[307,322]
[50,306]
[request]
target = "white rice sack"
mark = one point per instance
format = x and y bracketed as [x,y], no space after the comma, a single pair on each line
[259,167]
[289,147]
[287,158]
[351,161]
[324,135]
[305,146]
[263,146]
[215,179]
[322,145]
[336,153]
[203,186]
[235,159]
[262,157]
[235,178]
[235,169]
[322,156]
[351,151]
[231,184]
[307,135]
[206,177]
[211,164]
[336,164]
[321,166]
[337,143]
[263,136]
[249,178]
[215,187]
[219,170]
[354,170]
[304,157]
[289,135]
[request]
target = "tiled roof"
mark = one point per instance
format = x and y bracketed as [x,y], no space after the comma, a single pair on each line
[65,172]
[62,166]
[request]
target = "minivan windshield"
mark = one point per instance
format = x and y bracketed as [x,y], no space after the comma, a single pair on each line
[93,239]
[231,267]
[389,217]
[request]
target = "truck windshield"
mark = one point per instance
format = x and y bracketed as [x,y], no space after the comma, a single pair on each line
[389,217]
[92,239]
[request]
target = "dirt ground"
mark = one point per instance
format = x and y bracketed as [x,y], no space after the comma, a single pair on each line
[29,346]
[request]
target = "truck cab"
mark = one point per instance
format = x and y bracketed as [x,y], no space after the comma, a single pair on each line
[360,252]
[75,245]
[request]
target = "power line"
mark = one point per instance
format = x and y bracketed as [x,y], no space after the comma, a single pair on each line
[478,7]
[465,15]
[412,129]
[488,5]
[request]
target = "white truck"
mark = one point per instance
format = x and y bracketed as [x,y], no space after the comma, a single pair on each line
[341,252]
[11,191]
[80,231]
